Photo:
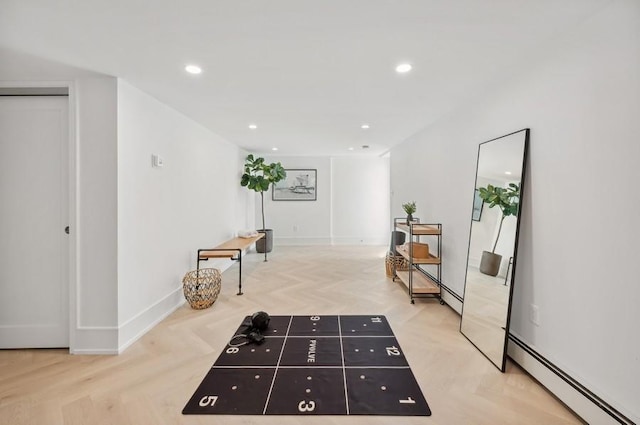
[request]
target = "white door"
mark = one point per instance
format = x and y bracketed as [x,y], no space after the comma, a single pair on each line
[34,304]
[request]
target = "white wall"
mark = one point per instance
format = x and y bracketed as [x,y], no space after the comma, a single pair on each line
[134,230]
[93,196]
[360,200]
[96,182]
[312,219]
[580,227]
[352,205]
[166,213]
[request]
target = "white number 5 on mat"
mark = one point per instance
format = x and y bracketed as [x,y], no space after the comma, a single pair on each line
[208,400]
[303,406]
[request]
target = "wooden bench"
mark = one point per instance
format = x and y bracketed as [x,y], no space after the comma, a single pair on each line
[231,249]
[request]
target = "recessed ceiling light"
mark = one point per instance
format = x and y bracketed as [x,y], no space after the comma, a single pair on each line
[193,69]
[403,67]
[253,126]
[364,126]
[508,173]
[274,149]
[350,149]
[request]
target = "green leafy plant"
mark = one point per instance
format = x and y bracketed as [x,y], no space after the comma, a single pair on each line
[409,207]
[259,176]
[505,198]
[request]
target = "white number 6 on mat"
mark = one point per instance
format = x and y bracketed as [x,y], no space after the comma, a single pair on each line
[303,406]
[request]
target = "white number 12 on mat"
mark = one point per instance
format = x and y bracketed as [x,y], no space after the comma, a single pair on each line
[393,351]
[208,400]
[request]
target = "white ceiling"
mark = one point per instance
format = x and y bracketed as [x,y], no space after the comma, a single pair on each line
[307,73]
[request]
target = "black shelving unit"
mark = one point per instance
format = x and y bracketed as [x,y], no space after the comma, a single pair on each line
[423,276]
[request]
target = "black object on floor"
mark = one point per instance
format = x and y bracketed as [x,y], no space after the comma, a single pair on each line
[313,365]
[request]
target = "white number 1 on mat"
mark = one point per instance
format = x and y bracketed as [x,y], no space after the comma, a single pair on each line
[409,400]
[208,400]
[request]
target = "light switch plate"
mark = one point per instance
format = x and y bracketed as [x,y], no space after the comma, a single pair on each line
[156,160]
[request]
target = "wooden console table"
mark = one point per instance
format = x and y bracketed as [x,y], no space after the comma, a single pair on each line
[231,249]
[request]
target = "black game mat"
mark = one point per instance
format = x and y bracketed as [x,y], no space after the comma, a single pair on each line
[313,365]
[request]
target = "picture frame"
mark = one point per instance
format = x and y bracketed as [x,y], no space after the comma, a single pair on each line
[478,203]
[299,185]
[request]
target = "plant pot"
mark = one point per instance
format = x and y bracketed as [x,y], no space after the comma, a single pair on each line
[490,263]
[409,219]
[265,244]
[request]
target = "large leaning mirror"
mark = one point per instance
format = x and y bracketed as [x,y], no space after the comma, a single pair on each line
[493,244]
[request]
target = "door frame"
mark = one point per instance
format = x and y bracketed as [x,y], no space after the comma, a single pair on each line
[73,150]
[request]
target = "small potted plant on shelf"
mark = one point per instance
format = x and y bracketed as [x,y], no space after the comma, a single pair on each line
[508,200]
[409,208]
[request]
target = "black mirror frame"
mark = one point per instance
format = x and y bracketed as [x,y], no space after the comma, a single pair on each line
[502,366]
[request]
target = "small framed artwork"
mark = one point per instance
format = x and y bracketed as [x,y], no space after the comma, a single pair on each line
[299,185]
[478,203]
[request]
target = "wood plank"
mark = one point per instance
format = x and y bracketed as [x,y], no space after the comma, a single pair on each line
[420,229]
[218,254]
[231,245]
[421,283]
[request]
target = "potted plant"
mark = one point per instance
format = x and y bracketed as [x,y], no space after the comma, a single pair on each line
[409,208]
[508,200]
[259,176]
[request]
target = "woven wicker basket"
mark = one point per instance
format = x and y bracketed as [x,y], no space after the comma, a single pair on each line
[400,263]
[201,287]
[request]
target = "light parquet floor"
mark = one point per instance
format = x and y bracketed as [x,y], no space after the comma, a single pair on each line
[153,379]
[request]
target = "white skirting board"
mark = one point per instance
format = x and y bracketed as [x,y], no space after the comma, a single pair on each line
[134,328]
[452,301]
[287,241]
[99,340]
[584,403]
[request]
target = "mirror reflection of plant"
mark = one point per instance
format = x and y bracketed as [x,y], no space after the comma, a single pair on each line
[505,198]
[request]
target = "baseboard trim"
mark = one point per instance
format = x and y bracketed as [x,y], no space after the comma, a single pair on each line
[289,241]
[358,241]
[452,299]
[584,402]
[134,328]
[97,340]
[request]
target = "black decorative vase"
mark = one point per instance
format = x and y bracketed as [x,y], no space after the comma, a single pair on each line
[265,244]
[409,219]
[397,238]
